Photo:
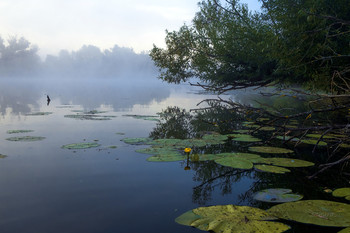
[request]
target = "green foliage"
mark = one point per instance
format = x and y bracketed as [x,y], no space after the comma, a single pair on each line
[277,195]
[318,212]
[291,42]
[25,139]
[272,169]
[231,218]
[220,47]
[270,150]
[82,145]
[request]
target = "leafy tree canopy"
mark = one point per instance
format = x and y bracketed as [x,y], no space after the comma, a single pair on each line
[289,42]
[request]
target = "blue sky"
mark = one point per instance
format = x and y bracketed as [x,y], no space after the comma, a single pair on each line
[69,24]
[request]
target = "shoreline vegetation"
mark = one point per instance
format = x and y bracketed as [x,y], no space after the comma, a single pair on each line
[300,48]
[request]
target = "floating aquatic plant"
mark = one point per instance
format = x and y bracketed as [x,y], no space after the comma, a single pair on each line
[25,139]
[318,212]
[38,114]
[346,230]
[272,169]
[270,150]
[287,162]
[166,158]
[244,138]
[342,192]
[144,117]
[159,151]
[277,195]
[89,117]
[136,141]
[82,145]
[234,162]
[231,218]
[19,131]
[2,156]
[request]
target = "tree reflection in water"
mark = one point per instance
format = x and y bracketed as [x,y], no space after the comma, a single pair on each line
[214,178]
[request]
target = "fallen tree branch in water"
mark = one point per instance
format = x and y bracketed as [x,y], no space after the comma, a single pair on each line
[329,165]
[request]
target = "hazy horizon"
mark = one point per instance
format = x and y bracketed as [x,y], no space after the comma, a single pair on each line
[55,25]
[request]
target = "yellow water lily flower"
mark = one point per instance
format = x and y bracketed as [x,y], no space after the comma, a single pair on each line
[187,150]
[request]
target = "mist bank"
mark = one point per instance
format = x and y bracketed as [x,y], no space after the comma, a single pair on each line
[19,58]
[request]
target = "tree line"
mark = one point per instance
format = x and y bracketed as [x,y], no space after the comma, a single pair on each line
[19,58]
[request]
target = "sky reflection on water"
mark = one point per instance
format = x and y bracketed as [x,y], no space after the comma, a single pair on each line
[49,189]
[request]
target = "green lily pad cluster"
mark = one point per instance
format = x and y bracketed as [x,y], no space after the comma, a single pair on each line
[38,113]
[277,195]
[270,150]
[136,141]
[14,131]
[83,116]
[248,161]
[317,212]
[342,192]
[25,139]
[144,117]
[231,218]
[170,149]
[82,145]
[244,138]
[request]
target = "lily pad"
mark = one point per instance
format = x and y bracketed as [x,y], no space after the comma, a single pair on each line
[346,230]
[165,158]
[318,212]
[341,192]
[25,139]
[19,131]
[159,151]
[82,145]
[237,163]
[287,138]
[38,114]
[247,156]
[136,141]
[287,162]
[272,169]
[2,156]
[165,142]
[207,157]
[319,136]
[219,138]
[270,150]
[277,195]
[89,117]
[231,218]
[244,138]
[191,143]
[144,117]
[242,131]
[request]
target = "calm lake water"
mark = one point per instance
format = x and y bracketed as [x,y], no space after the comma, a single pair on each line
[45,188]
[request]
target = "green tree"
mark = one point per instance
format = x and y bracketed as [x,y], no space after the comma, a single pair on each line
[226,46]
[302,42]
[312,40]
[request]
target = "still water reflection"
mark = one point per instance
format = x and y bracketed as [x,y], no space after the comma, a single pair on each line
[45,188]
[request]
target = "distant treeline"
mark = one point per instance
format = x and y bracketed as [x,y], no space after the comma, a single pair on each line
[19,58]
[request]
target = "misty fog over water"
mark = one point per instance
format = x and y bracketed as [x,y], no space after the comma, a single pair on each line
[19,59]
